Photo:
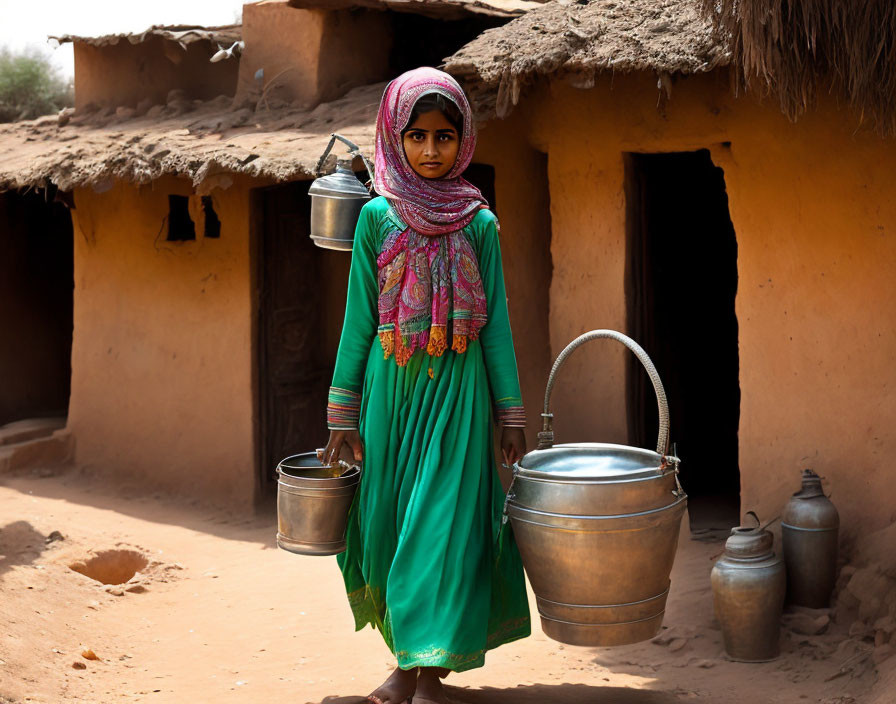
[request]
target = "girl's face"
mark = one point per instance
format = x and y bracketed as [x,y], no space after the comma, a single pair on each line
[431,144]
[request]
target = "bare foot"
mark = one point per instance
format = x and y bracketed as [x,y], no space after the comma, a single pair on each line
[429,687]
[400,687]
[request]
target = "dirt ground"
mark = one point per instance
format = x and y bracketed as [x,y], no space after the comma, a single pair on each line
[217,613]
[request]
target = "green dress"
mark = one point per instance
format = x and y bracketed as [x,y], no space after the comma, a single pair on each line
[428,561]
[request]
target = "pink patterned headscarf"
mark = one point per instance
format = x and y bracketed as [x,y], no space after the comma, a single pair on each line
[428,272]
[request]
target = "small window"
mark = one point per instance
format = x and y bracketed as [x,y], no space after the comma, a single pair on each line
[212,223]
[180,225]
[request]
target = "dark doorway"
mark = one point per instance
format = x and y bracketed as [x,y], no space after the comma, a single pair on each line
[483,177]
[681,287]
[301,306]
[36,288]
[426,41]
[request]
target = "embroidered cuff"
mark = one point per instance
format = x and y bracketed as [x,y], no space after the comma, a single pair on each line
[512,417]
[343,409]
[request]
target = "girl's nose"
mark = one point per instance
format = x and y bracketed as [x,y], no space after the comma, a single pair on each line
[430,148]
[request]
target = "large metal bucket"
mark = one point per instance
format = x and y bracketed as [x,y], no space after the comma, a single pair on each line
[597,527]
[313,501]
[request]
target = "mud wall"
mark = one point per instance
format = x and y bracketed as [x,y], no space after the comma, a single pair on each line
[162,366]
[125,73]
[311,56]
[285,42]
[813,210]
[523,208]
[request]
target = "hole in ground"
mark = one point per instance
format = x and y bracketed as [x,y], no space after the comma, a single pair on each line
[111,566]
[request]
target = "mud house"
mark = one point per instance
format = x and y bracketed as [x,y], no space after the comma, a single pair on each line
[749,253]
[160,290]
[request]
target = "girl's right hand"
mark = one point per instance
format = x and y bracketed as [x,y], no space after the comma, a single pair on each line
[339,439]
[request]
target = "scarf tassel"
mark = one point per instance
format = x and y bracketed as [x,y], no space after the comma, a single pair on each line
[438,341]
[435,347]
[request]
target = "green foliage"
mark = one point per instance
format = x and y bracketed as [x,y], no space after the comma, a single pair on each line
[30,85]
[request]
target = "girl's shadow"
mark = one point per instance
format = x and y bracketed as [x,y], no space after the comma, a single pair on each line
[542,694]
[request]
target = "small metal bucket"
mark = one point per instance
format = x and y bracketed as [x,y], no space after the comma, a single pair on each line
[313,501]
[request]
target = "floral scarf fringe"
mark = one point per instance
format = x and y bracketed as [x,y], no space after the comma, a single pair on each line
[427,283]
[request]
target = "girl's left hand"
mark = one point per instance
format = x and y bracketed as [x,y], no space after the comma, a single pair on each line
[513,444]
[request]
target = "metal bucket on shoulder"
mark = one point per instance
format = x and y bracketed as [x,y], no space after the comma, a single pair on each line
[597,526]
[337,199]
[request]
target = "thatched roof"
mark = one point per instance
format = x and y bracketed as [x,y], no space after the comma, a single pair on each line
[205,144]
[180,33]
[580,40]
[796,50]
[440,9]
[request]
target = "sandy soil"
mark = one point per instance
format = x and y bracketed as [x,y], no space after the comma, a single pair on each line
[217,613]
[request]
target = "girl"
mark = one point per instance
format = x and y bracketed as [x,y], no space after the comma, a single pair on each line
[425,349]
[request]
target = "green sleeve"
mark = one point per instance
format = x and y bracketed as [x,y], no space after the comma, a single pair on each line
[360,325]
[495,337]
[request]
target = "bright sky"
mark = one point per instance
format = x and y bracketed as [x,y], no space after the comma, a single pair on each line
[28,22]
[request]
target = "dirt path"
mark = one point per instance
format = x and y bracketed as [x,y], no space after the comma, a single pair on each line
[218,613]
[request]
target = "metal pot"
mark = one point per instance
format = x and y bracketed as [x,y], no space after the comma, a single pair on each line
[809,531]
[313,501]
[597,526]
[337,199]
[748,584]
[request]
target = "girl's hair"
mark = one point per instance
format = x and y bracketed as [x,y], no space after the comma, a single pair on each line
[436,101]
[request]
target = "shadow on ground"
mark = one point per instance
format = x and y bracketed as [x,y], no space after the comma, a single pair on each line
[254,524]
[542,694]
[20,544]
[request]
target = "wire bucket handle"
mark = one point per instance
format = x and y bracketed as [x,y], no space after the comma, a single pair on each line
[353,149]
[546,436]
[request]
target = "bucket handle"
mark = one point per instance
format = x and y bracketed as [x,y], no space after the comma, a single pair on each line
[353,148]
[546,436]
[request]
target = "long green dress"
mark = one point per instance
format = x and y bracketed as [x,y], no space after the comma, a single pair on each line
[428,561]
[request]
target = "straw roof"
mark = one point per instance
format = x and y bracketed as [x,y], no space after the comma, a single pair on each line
[440,9]
[796,50]
[581,39]
[205,144]
[180,33]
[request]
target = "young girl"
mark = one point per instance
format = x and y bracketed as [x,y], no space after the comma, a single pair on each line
[425,354]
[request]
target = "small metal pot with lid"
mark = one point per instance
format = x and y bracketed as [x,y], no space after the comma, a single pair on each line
[748,585]
[597,526]
[337,199]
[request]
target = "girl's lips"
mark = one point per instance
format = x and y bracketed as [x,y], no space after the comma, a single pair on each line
[431,164]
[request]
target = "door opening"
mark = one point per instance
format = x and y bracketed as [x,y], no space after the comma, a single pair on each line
[680,291]
[301,306]
[36,298]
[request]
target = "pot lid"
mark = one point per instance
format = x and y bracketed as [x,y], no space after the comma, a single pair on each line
[811,486]
[342,183]
[745,542]
[594,462]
